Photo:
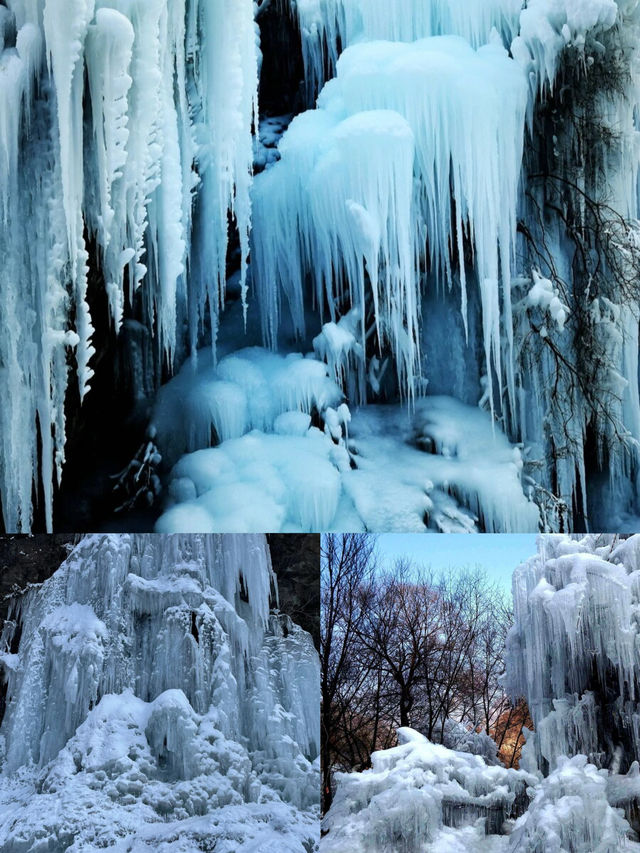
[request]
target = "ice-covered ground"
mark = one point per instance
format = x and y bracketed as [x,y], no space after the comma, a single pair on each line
[440,465]
[421,797]
[154,704]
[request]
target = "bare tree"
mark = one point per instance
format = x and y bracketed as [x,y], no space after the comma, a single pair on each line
[408,647]
[347,564]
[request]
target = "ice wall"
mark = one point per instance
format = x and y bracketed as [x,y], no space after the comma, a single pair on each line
[574,650]
[570,811]
[147,682]
[117,120]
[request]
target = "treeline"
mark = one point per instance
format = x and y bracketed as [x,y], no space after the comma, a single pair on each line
[405,646]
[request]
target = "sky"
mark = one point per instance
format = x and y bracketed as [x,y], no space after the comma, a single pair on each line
[498,553]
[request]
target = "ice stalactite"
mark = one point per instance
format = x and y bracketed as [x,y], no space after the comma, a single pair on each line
[116,118]
[453,118]
[328,26]
[151,686]
[415,794]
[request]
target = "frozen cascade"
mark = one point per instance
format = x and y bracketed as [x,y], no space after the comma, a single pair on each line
[151,690]
[574,650]
[392,201]
[163,124]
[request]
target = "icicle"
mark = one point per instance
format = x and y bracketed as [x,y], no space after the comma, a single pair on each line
[465,110]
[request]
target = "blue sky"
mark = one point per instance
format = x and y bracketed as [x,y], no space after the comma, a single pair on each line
[498,554]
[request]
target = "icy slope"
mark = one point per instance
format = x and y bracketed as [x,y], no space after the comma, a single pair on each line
[420,796]
[152,701]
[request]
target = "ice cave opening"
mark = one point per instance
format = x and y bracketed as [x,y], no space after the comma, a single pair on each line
[573,654]
[155,698]
[298,266]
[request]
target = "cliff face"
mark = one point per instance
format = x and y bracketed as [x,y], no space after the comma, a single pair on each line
[296,562]
[29,559]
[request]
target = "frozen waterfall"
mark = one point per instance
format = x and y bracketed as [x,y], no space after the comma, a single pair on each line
[444,205]
[117,121]
[154,699]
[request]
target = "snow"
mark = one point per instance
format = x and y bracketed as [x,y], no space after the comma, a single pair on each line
[259,482]
[546,26]
[377,468]
[249,389]
[544,295]
[154,703]
[447,453]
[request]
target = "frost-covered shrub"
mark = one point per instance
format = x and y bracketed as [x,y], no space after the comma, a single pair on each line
[458,737]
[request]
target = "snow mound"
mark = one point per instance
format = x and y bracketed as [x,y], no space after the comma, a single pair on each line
[248,390]
[415,790]
[379,469]
[446,466]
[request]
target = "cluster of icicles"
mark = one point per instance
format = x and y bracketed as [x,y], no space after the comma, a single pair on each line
[115,116]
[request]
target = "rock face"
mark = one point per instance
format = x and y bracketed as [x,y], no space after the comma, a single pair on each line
[296,562]
[29,559]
